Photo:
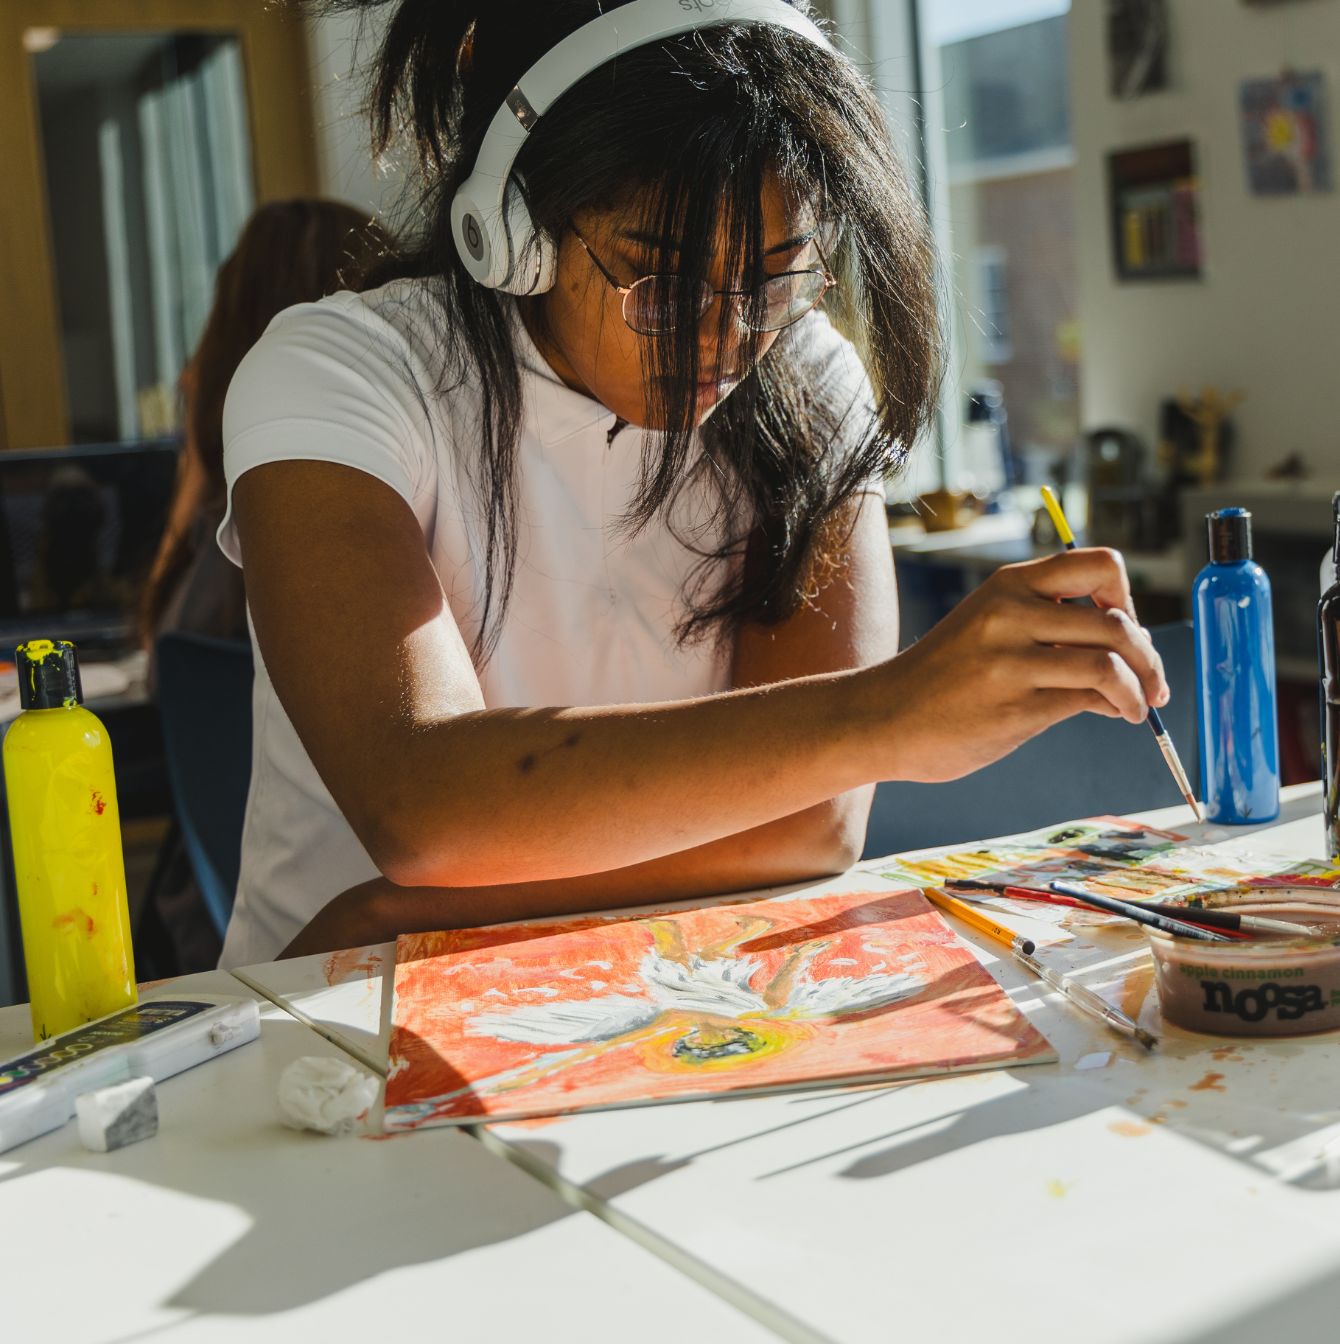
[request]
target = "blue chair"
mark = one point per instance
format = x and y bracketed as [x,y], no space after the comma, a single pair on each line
[1087,766]
[204,695]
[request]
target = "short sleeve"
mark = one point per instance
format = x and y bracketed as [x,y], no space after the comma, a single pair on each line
[327,382]
[831,361]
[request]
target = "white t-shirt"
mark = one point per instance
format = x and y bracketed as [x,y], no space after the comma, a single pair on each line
[592,613]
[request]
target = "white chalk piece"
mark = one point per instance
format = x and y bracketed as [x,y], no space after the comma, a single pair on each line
[115,1117]
[324,1093]
[156,1038]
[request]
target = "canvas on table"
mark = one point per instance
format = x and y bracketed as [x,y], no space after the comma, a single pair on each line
[846,986]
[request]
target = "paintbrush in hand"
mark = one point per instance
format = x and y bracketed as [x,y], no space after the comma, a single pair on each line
[1169,752]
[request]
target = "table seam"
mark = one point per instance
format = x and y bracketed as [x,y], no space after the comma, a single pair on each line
[757,1309]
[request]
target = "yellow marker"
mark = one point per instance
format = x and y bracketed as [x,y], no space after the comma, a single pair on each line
[1155,720]
[66,830]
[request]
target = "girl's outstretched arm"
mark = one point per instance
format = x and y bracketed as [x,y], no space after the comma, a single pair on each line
[364,655]
[850,620]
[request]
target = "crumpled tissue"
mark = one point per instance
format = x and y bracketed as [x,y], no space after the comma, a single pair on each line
[325,1093]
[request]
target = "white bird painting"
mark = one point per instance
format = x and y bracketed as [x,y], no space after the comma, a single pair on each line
[544,1019]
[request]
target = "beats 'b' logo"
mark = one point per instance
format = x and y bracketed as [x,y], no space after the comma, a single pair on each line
[474,239]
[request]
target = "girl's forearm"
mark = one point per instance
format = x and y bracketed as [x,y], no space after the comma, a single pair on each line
[515,796]
[812,844]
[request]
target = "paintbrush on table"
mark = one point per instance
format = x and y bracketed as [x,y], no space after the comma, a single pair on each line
[1178,928]
[1215,920]
[1165,742]
[1207,916]
[1023,948]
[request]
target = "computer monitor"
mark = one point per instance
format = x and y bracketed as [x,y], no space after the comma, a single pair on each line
[79,528]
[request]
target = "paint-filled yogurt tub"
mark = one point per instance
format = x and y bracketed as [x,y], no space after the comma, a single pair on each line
[1272,985]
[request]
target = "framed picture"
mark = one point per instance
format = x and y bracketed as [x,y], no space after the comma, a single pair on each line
[1285,139]
[1137,47]
[1155,210]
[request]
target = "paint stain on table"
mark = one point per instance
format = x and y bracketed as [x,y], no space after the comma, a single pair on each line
[1129,1129]
[1059,1189]
[1210,1083]
[356,963]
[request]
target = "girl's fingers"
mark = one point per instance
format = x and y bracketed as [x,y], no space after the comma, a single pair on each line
[1099,670]
[1111,629]
[1092,572]
[1064,704]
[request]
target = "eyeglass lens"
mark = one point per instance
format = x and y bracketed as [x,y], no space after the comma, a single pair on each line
[652,306]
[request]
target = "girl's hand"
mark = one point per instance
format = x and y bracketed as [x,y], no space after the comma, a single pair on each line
[1014,658]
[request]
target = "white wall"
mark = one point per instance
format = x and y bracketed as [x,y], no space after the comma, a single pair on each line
[342,48]
[1266,315]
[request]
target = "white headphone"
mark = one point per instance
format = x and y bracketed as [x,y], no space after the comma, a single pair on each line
[495,235]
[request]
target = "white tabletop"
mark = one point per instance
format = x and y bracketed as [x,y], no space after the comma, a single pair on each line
[1115,1196]
[226,1225]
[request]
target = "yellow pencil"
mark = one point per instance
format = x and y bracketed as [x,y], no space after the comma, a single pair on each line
[972,916]
[1155,721]
[1023,948]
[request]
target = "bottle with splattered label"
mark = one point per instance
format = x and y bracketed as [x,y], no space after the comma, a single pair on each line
[66,831]
[1235,677]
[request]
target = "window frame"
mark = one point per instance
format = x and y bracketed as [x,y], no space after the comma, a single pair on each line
[34,408]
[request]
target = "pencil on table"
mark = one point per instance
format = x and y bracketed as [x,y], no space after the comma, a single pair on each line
[1023,948]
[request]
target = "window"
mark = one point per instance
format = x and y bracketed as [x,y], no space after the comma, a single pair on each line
[996,85]
[991,130]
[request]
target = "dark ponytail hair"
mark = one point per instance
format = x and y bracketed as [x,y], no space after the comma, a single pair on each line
[687,132]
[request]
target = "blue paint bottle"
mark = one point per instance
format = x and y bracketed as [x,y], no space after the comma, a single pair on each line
[1235,676]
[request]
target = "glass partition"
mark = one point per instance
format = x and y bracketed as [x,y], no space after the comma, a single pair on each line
[147,157]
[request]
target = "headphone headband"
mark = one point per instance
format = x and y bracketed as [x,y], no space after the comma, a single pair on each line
[492,227]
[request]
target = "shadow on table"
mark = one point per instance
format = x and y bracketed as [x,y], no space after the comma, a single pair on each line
[325,1213]
[1267,1104]
[1291,809]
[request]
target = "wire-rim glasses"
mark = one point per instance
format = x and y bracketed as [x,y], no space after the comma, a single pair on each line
[651,305]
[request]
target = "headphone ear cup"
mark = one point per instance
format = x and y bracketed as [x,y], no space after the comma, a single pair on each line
[532,253]
[483,253]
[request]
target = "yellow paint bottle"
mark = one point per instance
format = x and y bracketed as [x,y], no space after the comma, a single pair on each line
[66,830]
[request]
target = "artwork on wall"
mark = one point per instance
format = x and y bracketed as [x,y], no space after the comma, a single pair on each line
[538,1019]
[1284,136]
[1155,199]
[1137,47]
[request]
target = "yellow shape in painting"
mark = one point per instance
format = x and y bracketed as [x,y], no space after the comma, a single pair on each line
[692,1043]
[1279,130]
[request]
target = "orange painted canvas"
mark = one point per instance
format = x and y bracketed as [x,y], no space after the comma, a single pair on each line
[546,1019]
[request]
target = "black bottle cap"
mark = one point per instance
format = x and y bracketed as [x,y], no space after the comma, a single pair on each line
[1230,535]
[48,674]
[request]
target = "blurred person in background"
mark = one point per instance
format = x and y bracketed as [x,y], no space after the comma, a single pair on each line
[289,252]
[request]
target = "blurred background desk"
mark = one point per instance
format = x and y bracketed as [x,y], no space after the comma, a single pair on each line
[936,570]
